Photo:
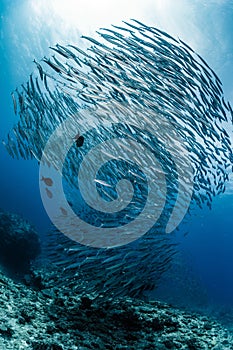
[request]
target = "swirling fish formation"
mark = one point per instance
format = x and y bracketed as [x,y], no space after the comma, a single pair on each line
[133,70]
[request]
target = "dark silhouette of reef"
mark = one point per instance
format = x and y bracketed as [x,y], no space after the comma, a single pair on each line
[19,243]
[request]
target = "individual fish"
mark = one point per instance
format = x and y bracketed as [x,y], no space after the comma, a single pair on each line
[14,102]
[52,65]
[47,180]
[63,211]
[39,69]
[32,86]
[83,53]
[101,182]
[79,140]
[49,193]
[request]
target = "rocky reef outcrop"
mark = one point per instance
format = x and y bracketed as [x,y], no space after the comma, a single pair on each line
[19,242]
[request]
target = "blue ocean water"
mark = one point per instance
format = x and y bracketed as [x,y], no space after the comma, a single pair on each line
[207,249]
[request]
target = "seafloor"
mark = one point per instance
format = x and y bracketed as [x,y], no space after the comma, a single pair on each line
[34,315]
[39,311]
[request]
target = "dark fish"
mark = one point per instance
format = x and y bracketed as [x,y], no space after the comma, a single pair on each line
[79,140]
[39,69]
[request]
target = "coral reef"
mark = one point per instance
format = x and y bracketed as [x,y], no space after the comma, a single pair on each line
[55,318]
[19,243]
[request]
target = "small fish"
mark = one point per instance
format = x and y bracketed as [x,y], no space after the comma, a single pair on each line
[41,73]
[47,180]
[79,140]
[101,182]
[92,40]
[64,212]
[52,65]
[49,193]
[14,103]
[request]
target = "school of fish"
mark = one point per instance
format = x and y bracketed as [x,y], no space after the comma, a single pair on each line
[138,68]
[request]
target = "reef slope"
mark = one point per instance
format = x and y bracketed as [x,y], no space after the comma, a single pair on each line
[38,317]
